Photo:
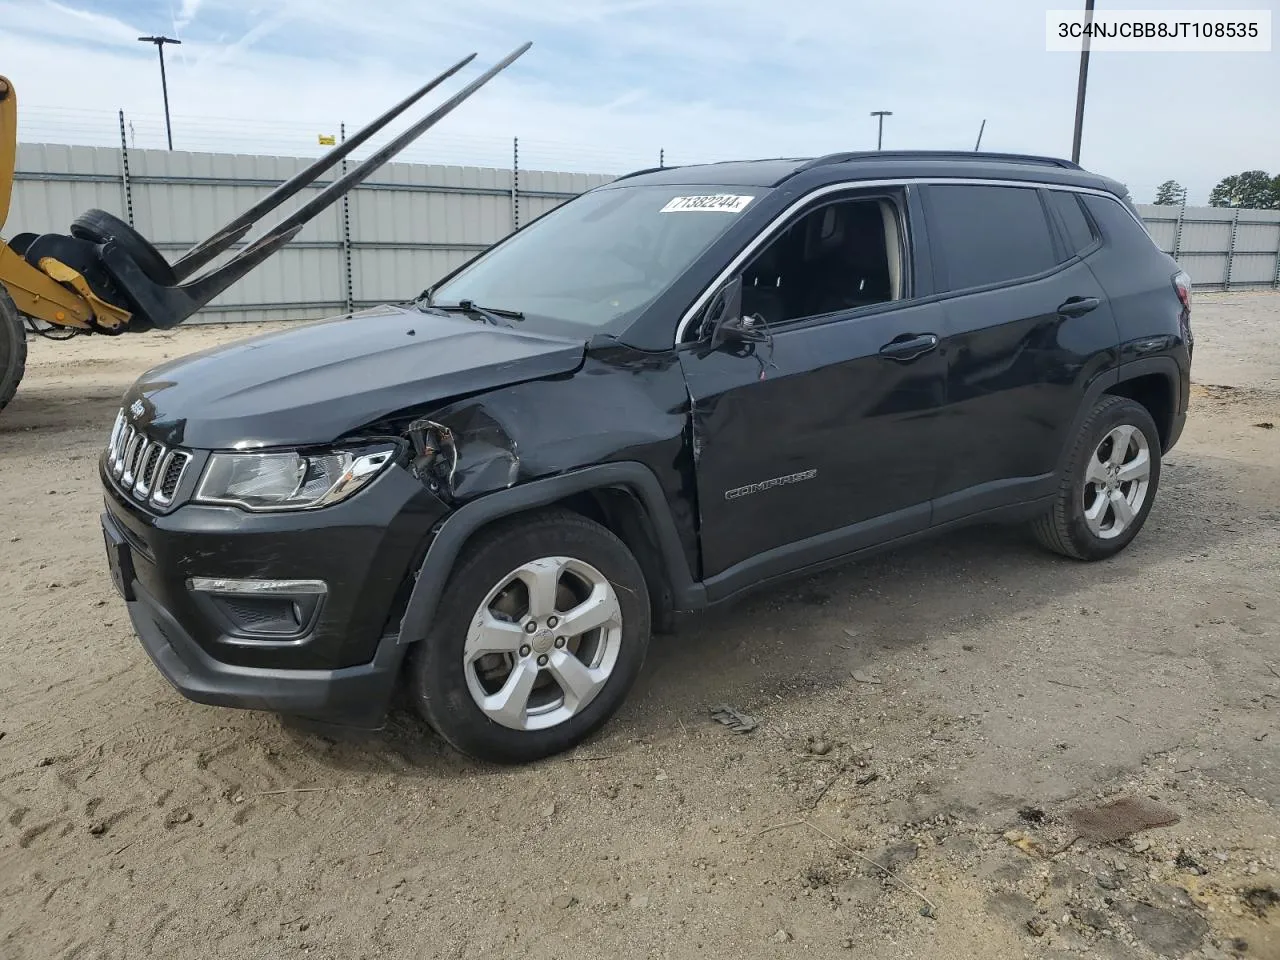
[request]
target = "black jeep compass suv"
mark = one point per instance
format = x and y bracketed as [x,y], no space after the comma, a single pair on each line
[680,385]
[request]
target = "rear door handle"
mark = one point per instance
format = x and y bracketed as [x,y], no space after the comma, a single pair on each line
[909,346]
[1078,306]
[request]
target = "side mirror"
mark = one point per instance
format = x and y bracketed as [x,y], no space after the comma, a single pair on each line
[725,319]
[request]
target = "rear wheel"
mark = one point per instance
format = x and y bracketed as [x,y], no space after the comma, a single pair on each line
[541,633]
[1109,484]
[13,349]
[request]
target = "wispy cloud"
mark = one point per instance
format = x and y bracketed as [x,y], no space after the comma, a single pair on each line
[217,54]
[186,13]
[75,24]
[610,82]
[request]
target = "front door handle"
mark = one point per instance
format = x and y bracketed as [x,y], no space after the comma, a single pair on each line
[1078,306]
[909,346]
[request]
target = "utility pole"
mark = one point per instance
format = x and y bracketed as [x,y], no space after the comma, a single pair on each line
[164,84]
[880,115]
[1084,79]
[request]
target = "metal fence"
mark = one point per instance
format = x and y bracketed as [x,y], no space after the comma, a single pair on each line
[387,240]
[411,223]
[1223,247]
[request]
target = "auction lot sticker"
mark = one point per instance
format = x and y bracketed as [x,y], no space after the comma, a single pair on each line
[716,203]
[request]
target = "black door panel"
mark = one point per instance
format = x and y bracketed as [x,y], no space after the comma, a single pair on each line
[815,432]
[1018,358]
[1026,328]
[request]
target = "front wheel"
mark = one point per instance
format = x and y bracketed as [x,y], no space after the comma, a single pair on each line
[13,349]
[1109,483]
[541,633]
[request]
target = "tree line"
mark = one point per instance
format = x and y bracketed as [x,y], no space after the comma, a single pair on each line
[1255,189]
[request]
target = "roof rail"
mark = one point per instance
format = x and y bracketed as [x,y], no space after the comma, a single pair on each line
[980,156]
[639,173]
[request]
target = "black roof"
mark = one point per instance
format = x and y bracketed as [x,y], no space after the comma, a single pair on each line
[878,164]
[746,173]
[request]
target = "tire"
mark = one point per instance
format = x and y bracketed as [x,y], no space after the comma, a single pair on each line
[98,226]
[1088,521]
[449,678]
[13,349]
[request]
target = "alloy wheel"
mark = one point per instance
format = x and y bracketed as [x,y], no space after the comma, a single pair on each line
[1116,481]
[543,643]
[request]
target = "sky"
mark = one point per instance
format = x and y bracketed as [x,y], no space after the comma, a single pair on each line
[610,83]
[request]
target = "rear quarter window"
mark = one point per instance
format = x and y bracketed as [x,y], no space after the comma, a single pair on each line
[983,235]
[1080,233]
[1118,226]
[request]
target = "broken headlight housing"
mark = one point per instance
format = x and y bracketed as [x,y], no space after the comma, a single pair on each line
[289,480]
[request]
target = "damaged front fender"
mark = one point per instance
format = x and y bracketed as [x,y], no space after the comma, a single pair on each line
[539,428]
[621,405]
[485,458]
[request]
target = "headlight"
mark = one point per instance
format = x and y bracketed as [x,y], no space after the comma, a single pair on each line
[289,481]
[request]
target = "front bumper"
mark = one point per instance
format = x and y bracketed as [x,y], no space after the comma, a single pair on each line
[342,665]
[350,696]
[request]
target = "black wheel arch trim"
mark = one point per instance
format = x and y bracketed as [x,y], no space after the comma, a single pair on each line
[1096,387]
[1107,379]
[1168,368]
[1142,366]
[458,527]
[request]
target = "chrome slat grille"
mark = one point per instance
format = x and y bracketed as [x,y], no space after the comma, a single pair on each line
[146,470]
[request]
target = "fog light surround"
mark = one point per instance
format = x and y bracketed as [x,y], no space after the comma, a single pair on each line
[260,612]
[256,587]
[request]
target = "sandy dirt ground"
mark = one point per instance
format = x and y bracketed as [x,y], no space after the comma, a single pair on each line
[939,711]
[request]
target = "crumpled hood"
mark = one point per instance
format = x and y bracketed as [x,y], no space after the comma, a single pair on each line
[318,381]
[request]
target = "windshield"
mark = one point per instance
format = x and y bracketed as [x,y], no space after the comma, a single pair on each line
[600,259]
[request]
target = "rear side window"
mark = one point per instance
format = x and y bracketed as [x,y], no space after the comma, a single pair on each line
[985,235]
[1117,225]
[1080,235]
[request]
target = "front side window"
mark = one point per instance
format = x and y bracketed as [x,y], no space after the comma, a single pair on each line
[838,257]
[983,235]
[595,263]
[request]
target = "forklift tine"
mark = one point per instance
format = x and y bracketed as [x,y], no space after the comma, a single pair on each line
[200,291]
[213,246]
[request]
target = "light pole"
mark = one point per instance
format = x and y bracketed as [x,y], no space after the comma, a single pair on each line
[164,84]
[881,114]
[1080,84]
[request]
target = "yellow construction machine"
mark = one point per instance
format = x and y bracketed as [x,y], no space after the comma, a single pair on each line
[104,277]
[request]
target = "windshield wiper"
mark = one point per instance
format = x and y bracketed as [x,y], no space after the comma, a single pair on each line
[492,315]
